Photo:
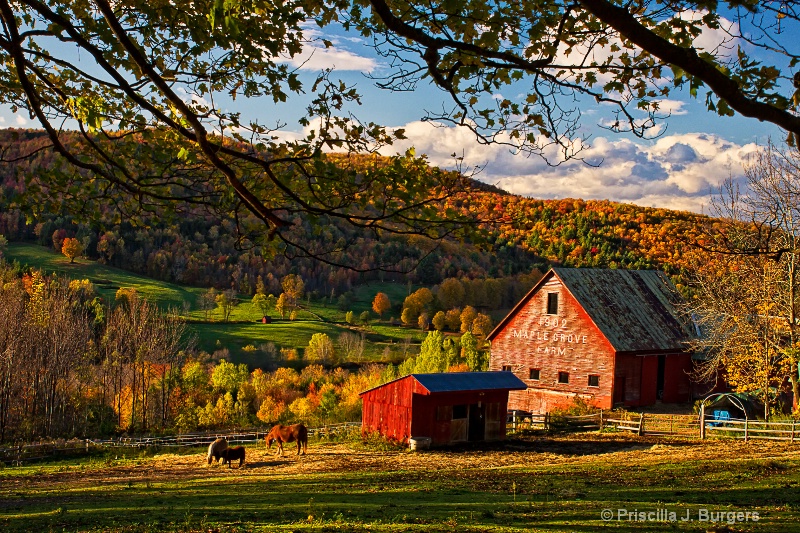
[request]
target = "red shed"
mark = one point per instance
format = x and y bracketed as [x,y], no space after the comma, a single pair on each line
[608,336]
[448,408]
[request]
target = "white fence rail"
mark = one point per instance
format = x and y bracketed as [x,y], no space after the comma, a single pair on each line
[753,429]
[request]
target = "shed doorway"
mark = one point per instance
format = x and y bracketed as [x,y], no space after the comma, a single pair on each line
[477,422]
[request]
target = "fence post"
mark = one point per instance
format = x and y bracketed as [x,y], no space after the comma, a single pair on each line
[601,420]
[641,424]
[702,421]
[547,421]
[746,437]
[793,423]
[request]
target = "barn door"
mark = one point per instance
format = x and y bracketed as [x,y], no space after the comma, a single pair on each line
[495,421]
[459,424]
[619,389]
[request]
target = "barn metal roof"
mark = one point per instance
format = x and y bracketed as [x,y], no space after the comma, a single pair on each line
[636,310]
[469,381]
[463,381]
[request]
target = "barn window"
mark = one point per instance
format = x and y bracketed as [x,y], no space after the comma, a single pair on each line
[507,368]
[534,374]
[563,377]
[459,411]
[594,381]
[552,303]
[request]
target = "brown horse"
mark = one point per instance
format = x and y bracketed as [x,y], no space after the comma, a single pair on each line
[281,434]
[216,449]
[231,454]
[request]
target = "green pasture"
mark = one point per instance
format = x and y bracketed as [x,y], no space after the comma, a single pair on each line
[543,489]
[296,334]
[244,327]
[106,279]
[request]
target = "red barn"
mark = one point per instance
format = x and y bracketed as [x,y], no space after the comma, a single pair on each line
[608,336]
[447,408]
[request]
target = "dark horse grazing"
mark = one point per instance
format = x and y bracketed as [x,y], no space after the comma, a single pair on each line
[281,434]
[216,449]
[231,454]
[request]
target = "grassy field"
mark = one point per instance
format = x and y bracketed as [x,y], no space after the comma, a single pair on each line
[527,484]
[244,328]
[106,279]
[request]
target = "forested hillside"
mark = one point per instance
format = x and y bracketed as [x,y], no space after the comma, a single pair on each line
[465,287]
[515,235]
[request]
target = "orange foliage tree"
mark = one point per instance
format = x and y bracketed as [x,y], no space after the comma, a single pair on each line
[381,304]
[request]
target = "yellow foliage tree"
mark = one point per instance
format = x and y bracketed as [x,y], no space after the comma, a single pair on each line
[482,325]
[468,316]
[72,248]
[302,409]
[271,411]
[125,296]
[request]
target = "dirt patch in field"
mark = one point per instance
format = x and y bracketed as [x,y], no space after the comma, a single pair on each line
[619,450]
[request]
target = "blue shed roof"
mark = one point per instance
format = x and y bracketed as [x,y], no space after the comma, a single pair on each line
[469,381]
[463,381]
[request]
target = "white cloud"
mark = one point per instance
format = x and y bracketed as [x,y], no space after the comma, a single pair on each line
[20,120]
[721,41]
[315,56]
[318,58]
[676,171]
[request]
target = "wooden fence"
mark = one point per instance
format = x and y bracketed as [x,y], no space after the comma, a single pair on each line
[698,426]
[639,423]
[60,448]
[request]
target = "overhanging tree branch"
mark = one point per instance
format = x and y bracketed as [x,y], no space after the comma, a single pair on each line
[688,59]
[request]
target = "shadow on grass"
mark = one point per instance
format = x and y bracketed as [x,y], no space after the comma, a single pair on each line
[588,445]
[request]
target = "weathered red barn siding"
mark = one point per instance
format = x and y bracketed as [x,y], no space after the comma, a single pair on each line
[629,368]
[405,408]
[387,410]
[566,342]
[494,405]
[649,393]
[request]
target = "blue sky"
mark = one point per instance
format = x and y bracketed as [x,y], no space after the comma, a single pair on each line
[695,151]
